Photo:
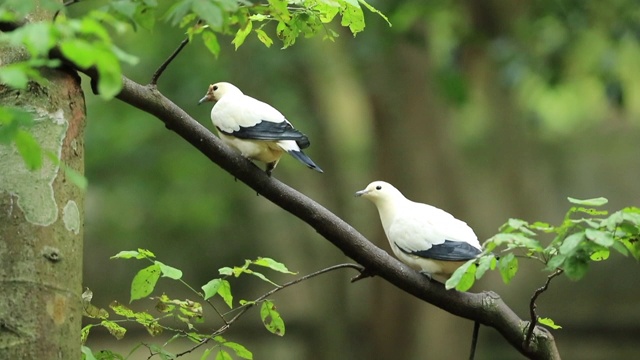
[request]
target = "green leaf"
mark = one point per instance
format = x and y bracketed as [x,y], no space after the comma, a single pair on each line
[114,329]
[225,291]
[575,267]
[240,350]
[146,253]
[273,265]
[462,279]
[128,254]
[211,288]
[169,271]
[485,263]
[209,11]
[14,75]
[211,42]
[620,247]
[205,354]
[86,353]
[571,242]
[29,149]
[241,35]
[144,282]
[109,75]
[84,333]
[261,276]
[600,255]
[271,318]
[589,202]
[75,177]
[599,237]
[556,262]
[225,271]
[121,310]
[223,355]
[81,52]
[508,267]
[352,16]
[264,38]
[548,322]
[375,11]
[164,354]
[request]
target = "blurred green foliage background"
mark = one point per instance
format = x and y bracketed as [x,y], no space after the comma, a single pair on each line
[487,109]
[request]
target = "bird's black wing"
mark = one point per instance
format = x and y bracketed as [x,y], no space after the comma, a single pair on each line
[267,130]
[447,251]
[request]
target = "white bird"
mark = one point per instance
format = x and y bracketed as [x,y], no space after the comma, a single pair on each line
[256,129]
[422,236]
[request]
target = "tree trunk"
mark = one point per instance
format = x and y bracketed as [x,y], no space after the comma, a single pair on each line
[41,223]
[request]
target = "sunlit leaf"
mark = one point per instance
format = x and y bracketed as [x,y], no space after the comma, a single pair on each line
[223,355]
[462,279]
[264,38]
[225,292]
[128,254]
[271,318]
[599,201]
[273,265]
[600,255]
[114,329]
[211,288]
[144,282]
[241,35]
[485,263]
[240,350]
[169,271]
[548,322]
[81,52]
[211,42]
[206,353]
[225,271]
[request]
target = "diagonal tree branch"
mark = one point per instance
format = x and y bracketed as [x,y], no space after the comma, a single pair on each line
[486,308]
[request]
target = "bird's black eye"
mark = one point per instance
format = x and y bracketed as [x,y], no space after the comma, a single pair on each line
[215,87]
[378,187]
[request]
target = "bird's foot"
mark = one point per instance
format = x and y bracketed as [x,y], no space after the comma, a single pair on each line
[270,167]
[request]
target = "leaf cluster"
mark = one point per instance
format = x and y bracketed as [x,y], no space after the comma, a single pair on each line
[188,313]
[587,234]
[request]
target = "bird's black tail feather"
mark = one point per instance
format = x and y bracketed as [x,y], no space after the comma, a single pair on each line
[305,160]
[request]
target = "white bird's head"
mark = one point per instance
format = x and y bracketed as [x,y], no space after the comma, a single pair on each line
[379,192]
[218,90]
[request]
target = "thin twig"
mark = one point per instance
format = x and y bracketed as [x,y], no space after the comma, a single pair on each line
[532,307]
[244,308]
[474,340]
[163,66]
[70,2]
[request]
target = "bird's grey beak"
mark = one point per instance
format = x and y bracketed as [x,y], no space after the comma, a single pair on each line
[205,98]
[360,193]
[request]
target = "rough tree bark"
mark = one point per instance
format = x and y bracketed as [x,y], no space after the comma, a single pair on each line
[41,222]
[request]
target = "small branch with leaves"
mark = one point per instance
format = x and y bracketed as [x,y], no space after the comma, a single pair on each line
[189,312]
